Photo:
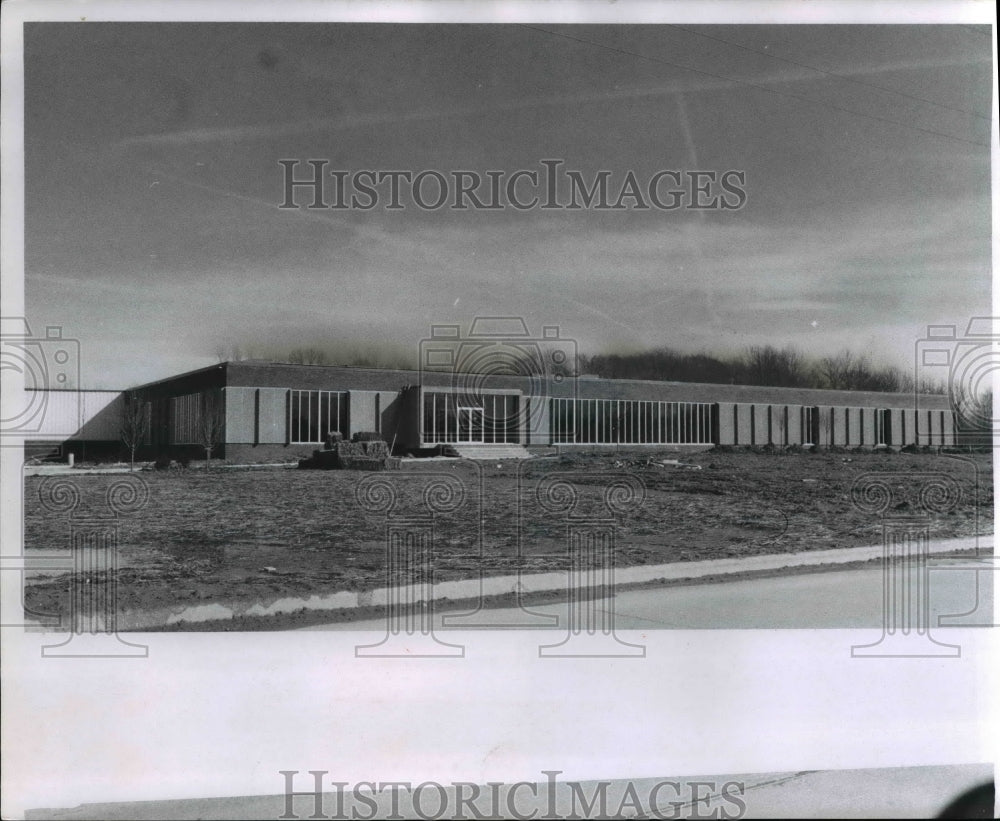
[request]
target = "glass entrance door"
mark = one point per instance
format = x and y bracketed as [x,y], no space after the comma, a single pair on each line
[470,425]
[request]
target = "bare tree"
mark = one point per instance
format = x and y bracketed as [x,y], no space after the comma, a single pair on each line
[211,424]
[232,352]
[768,365]
[850,372]
[371,355]
[308,356]
[973,414]
[932,386]
[835,371]
[134,424]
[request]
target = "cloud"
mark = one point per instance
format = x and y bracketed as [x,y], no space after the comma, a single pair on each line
[689,85]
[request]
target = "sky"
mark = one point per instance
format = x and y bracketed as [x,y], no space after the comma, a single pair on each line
[154,233]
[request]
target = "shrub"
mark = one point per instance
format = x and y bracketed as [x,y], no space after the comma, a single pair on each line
[367,436]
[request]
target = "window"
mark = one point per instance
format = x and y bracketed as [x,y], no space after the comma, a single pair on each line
[883,429]
[147,423]
[810,426]
[629,422]
[160,431]
[488,419]
[195,416]
[186,415]
[312,415]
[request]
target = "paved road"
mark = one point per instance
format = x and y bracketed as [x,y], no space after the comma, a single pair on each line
[829,599]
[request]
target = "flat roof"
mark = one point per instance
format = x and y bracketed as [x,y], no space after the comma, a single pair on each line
[413,376]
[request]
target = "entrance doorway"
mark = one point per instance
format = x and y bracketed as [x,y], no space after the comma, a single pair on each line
[470,425]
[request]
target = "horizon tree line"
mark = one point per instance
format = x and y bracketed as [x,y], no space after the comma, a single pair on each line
[763,365]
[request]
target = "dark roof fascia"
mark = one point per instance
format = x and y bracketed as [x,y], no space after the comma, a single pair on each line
[414,374]
[220,366]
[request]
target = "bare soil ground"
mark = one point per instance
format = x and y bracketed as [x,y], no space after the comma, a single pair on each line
[259,535]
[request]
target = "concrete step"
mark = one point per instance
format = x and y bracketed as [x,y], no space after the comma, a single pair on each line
[490,452]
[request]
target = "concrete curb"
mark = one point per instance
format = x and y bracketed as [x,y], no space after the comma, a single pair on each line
[533,583]
[66,470]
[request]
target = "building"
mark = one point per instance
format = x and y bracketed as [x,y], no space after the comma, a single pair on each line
[256,411]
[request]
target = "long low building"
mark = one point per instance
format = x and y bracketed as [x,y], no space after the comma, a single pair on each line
[256,411]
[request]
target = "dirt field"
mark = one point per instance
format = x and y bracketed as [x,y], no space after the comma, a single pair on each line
[205,536]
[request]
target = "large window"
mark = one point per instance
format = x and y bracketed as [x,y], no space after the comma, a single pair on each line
[312,415]
[186,417]
[629,422]
[488,419]
[883,431]
[810,426]
[160,431]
